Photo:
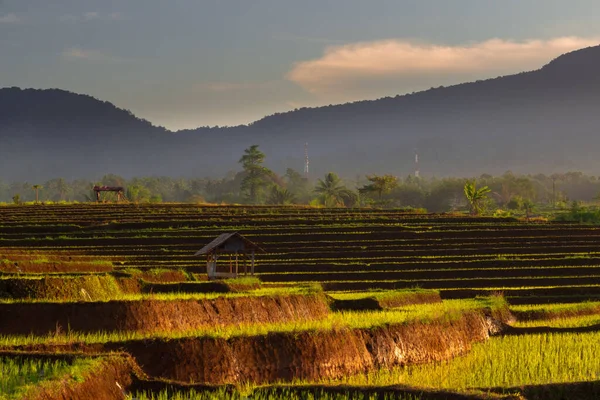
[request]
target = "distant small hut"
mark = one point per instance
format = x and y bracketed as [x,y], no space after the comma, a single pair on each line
[115,189]
[235,246]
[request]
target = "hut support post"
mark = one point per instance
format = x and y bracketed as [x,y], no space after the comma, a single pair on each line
[236,264]
[252,264]
[208,265]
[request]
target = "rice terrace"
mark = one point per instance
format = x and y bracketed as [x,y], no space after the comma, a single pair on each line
[299,200]
[108,301]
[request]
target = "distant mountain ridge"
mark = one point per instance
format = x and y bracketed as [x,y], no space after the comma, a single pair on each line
[539,121]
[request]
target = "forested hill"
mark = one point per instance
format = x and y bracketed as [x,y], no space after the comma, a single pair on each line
[540,121]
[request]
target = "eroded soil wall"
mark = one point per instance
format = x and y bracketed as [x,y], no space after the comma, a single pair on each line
[157,315]
[308,355]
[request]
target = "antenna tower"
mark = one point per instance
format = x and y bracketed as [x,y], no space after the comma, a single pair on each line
[306,160]
[416,164]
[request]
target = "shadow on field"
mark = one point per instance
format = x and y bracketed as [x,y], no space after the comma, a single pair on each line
[512,331]
[556,391]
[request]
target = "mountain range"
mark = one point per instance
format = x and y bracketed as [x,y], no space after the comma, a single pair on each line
[545,120]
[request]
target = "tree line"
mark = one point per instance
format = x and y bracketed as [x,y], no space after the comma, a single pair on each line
[254,183]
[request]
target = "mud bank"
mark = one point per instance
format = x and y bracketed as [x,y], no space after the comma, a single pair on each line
[158,315]
[387,302]
[310,355]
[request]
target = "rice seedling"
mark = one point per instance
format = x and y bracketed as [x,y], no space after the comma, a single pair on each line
[270,394]
[19,375]
[508,361]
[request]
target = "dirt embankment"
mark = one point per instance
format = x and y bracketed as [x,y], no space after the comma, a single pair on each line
[309,355]
[158,315]
[386,302]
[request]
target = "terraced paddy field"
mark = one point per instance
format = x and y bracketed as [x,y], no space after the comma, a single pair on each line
[345,303]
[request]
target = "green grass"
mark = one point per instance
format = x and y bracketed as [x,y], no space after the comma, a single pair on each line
[242,281]
[380,294]
[266,394]
[563,322]
[557,307]
[18,375]
[502,362]
[305,289]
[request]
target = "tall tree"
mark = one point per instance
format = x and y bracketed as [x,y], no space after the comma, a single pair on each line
[476,197]
[298,185]
[255,174]
[59,188]
[380,185]
[37,188]
[333,193]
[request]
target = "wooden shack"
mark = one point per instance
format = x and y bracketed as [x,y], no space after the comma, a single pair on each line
[236,248]
[118,190]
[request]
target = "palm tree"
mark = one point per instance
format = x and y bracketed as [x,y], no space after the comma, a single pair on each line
[333,193]
[37,188]
[280,196]
[476,197]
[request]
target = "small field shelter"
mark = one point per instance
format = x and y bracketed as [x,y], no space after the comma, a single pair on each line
[233,245]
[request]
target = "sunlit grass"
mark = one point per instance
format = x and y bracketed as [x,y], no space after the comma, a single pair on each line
[565,322]
[19,375]
[502,362]
[304,289]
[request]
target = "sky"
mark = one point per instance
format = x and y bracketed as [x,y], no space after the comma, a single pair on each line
[190,63]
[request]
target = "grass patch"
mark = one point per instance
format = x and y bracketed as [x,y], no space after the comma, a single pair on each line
[508,361]
[20,375]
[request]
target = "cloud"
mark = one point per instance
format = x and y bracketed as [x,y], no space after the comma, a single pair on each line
[222,87]
[309,39]
[9,19]
[76,53]
[394,66]
[92,16]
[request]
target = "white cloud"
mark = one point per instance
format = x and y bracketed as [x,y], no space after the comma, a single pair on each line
[394,66]
[9,19]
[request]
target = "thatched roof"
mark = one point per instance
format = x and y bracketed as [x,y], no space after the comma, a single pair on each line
[223,238]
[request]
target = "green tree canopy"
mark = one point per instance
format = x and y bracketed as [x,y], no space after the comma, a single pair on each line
[333,193]
[380,185]
[255,174]
[476,197]
[280,196]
